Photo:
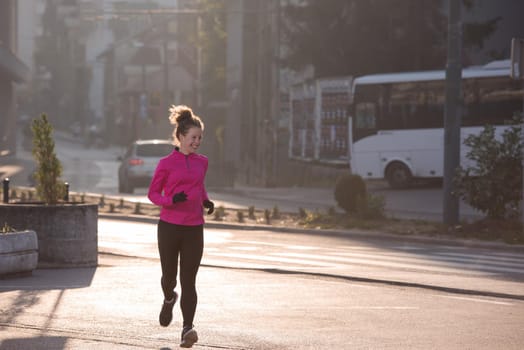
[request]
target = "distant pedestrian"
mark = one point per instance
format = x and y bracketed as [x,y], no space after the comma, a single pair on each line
[178,187]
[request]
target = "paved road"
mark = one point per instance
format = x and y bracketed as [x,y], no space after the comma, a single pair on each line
[428,264]
[267,290]
[116,306]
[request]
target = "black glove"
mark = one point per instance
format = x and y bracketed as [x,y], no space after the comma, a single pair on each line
[210,206]
[179,197]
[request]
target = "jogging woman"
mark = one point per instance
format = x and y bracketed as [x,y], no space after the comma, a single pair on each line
[178,187]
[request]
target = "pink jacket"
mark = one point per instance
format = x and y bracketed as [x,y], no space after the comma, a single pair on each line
[178,172]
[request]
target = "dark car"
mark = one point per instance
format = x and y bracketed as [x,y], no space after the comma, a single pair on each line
[139,162]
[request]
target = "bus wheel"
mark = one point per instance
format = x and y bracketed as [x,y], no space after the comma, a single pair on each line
[398,175]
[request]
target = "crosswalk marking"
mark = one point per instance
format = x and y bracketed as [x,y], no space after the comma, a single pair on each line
[462,260]
[325,257]
[222,248]
[509,258]
[372,261]
[272,259]
[477,300]
[436,266]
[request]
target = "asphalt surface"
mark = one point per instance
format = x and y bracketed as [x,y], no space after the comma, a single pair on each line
[116,305]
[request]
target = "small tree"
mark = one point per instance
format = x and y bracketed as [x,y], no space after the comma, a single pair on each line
[493,184]
[48,168]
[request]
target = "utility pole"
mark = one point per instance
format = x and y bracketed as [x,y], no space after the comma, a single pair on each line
[165,87]
[199,64]
[275,88]
[517,73]
[453,111]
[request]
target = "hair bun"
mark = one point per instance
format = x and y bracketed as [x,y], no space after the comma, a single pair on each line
[180,113]
[184,114]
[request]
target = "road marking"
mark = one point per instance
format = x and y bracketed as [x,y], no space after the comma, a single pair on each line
[486,262]
[273,259]
[305,247]
[371,260]
[440,265]
[246,248]
[382,307]
[281,245]
[499,258]
[477,300]
[442,260]
[322,307]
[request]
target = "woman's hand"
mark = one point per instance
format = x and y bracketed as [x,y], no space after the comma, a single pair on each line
[179,197]
[210,206]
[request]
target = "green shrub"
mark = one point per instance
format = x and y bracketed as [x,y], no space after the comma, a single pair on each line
[302,213]
[267,216]
[220,212]
[48,167]
[493,185]
[102,201]
[251,212]
[275,213]
[351,193]
[372,208]
[240,216]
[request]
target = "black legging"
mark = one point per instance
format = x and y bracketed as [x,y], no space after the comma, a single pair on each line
[188,241]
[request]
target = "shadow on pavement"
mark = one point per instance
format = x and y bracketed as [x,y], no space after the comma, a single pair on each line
[42,342]
[30,292]
[48,279]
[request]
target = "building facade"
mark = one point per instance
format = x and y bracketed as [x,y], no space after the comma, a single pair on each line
[12,71]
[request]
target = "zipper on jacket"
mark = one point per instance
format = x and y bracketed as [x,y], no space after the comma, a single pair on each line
[187,161]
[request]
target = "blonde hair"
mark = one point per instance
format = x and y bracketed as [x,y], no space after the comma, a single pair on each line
[183,118]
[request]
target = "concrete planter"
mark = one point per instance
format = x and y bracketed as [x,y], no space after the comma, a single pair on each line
[67,233]
[18,253]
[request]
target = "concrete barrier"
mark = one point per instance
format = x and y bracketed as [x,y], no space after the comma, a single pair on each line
[18,252]
[67,233]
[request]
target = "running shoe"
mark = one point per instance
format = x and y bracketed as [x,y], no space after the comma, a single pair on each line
[166,314]
[189,337]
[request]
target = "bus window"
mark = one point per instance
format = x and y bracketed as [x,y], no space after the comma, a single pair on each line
[365,120]
[413,106]
[490,101]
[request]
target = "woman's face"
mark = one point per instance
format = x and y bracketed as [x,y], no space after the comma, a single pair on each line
[190,142]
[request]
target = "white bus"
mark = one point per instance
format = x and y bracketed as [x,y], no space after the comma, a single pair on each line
[397,120]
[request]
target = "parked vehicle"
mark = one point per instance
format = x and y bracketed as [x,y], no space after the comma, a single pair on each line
[139,162]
